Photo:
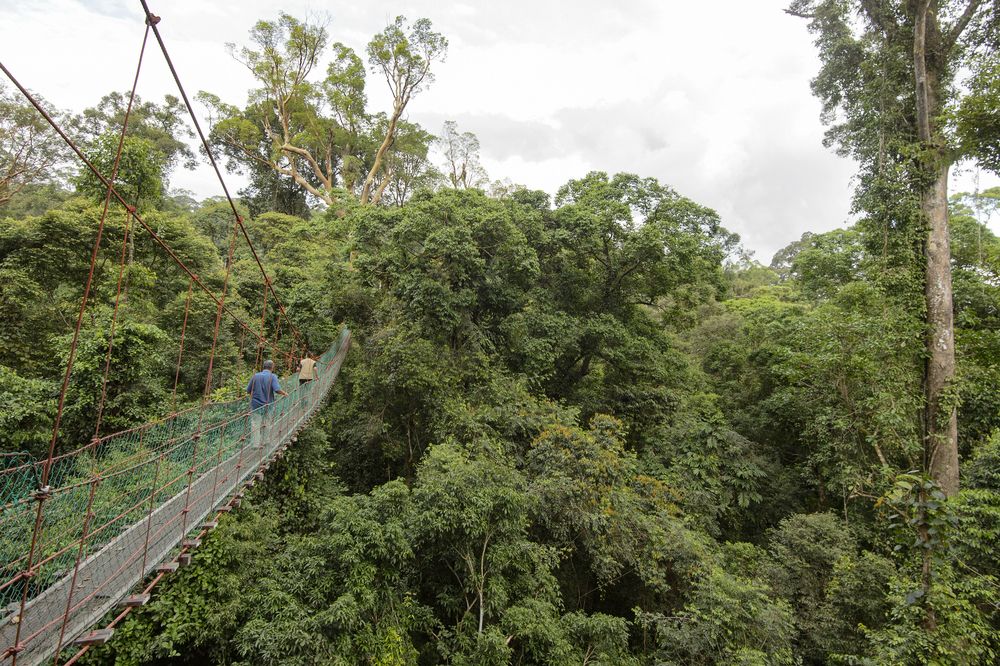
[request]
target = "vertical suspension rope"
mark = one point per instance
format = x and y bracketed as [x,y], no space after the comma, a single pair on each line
[277,338]
[218,322]
[152,20]
[196,437]
[242,354]
[87,516]
[211,358]
[149,514]
[114,323]
[180,351]
[262,342]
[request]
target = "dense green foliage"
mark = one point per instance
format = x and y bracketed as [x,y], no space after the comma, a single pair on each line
[569,431]
[561,437]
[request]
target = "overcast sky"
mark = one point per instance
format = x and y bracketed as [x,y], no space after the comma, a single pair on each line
[711,98]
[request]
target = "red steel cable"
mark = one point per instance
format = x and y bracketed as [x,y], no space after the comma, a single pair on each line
[180,351]
[114,323]
[149,514]
[153,20]
[218,321]
[277,337]
[87,516]
[242,355]
[260,344]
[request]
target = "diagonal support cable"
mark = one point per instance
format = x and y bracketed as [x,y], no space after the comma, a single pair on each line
[153,21]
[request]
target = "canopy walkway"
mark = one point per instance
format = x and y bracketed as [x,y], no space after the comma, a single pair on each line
[93,528]
[128,505]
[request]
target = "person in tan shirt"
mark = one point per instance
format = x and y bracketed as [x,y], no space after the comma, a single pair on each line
[307,369]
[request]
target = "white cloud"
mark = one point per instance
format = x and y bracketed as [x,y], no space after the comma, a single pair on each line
[710,98]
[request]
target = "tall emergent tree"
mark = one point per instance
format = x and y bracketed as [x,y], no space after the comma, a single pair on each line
[461,152]
[404,57]
[318,134]
[887,82]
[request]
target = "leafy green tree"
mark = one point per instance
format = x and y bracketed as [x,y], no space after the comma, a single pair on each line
[471,518]
[27,419]
[408,168]
[828,262]
[140,174]
[319,135]
[806,551]
[135,390]
[46,260]
[745,277]
[162,126]
[270,191]
[978,122]
[976,270]
[963,634]
[283,108]
[404,55]
[632,241]
[730,619]
[456,262]
[885,82]
[30,151]
[594,504]
[35,200]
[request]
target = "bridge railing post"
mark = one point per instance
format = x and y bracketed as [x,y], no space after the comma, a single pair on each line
[88,515]
[192,468]
[153,491]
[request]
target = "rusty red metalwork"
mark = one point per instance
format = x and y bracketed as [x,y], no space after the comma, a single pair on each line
[114,324]
[117,195]
[153,20]
[180,349]
[218,322]
[260,344]
[87,517]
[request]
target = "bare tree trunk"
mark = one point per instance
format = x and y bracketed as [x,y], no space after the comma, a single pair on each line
[941,419]
[390,135]
[377,197]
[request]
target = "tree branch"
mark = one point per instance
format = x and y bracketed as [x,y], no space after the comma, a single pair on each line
[801,15]
[390,133]
[291,173]
[302,152]
[963,22]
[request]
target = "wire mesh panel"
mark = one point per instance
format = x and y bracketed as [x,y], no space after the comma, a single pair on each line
[117,508]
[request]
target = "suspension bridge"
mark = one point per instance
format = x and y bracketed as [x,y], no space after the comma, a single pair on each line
[91,529]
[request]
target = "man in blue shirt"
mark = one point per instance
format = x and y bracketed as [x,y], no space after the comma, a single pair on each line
[262,388]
